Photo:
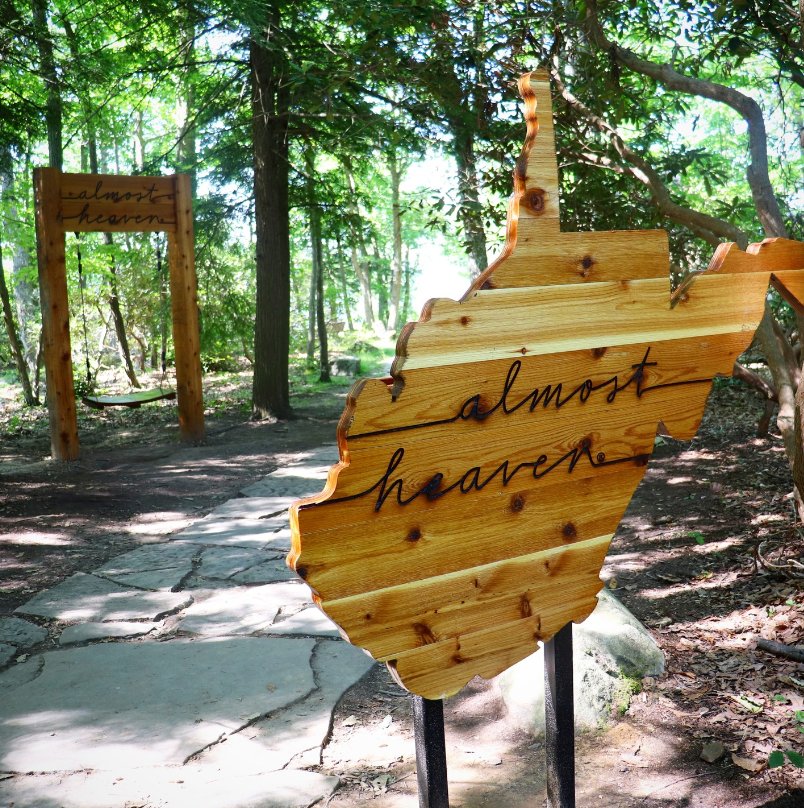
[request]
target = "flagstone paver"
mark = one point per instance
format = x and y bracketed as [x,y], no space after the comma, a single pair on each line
[88,598]
[218,694]
[86,632]
[20,633]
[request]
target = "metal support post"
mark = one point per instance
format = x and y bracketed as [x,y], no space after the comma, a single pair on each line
[559,715]
[431,752]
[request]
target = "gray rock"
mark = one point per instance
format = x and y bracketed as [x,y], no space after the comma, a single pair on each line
[220,563]
[611,652]
[155,566]
[253,507]
[86,598]
[122,706]
[21,633]
[268,572]
[308,622]
[712,751]
[255,533]
[7,653]
[344,366]
[294,736]
[85,632]
[304,483]
[242,610]
[188,786]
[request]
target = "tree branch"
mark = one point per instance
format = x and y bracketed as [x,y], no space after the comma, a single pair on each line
[710,228]
[757,172]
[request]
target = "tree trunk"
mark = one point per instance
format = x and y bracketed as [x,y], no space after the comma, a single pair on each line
[186,157]
[406,299]
[471,212]
[13,339]
[359,264]
[311,309]
[270,108]
[317,274]
[394,312]
[347,310]
[318,271]
[23,300]
[309,164]
[50,77]
[119,323]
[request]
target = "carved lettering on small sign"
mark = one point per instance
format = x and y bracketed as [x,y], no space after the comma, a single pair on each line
[479,487]
[109,203]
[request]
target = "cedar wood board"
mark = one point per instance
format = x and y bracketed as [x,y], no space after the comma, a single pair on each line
[478,488]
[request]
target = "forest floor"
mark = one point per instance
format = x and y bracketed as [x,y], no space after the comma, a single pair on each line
[691,560]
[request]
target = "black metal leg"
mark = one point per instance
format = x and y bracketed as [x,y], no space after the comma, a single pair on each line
[431,752]
[559,716]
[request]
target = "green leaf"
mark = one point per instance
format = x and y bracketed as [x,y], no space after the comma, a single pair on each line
[697,535]
[796,758]
[780,698]
[748,704]
[800,716]
[775,759]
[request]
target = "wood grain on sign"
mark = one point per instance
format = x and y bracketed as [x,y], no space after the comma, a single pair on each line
[109,203]
[478,489]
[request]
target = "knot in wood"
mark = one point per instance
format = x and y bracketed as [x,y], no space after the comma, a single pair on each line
[534,200]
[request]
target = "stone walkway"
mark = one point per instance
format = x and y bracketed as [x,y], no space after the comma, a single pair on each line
[190,673]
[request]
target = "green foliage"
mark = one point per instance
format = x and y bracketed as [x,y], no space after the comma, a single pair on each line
[164,87]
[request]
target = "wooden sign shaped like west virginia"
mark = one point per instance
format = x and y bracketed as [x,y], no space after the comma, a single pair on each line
[476,494]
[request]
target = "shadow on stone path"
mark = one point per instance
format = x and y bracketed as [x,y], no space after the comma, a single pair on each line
[193,672]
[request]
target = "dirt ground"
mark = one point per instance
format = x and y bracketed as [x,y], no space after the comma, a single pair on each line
[692,559]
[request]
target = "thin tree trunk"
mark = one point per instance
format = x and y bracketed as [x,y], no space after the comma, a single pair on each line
[318,271]
[186,157]
[344,286]
[13,339]
[311,309]
[359,264]
[406,298]
[317,274]
[23,299]
[113,299]
[394,313]
[309,163]
[50,77]
[270,107]
[468,190]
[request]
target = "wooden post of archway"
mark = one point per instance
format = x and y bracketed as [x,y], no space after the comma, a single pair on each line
[108,203]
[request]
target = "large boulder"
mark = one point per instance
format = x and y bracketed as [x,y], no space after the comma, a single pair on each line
[612,651]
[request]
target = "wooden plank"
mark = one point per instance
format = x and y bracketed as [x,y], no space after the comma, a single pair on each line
[81,216]
[116,188]
[110,203]
[426,395]
[389,621]
[55,316]
[442,669]
[478,490]
[184,305]
[554,319]
[589,257]
[400,548]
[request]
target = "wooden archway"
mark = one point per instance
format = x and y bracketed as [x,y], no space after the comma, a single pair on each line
[109,203]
